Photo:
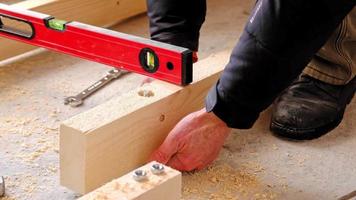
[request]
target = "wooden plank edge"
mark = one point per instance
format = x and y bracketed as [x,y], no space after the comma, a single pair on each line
[72,145]
[121,133]
[166,185]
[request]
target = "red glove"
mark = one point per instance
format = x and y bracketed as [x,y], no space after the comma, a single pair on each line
[194,143]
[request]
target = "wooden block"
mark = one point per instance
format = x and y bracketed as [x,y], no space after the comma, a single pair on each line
[157,187]
[94,12]
[119,135]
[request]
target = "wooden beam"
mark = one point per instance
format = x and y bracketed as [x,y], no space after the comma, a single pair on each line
[119,135]
[94,12]
[163,186]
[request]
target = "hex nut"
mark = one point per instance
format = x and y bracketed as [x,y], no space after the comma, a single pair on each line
[139,175]
[157,169]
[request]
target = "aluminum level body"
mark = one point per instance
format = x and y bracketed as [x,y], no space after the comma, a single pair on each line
[151,58]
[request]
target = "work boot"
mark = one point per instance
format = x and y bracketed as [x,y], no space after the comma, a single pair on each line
[310,108]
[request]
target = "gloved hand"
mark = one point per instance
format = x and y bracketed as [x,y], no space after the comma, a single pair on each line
[194,142]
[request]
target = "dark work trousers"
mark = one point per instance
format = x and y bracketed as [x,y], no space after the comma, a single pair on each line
[279,40]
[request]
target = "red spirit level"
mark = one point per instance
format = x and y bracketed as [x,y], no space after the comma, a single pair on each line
[155,59]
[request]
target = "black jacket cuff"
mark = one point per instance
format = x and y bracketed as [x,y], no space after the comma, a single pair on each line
[234,115]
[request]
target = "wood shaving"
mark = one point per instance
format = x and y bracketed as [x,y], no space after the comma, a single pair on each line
[223,182]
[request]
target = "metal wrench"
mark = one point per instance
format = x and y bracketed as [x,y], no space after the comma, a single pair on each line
[348,196]
[2,186]
[78,100]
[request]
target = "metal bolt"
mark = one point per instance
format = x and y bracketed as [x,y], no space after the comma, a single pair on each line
[2,186]
[139,175]
[157,168]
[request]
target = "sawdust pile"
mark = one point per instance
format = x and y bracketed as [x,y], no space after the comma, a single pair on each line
[30,148]
[7,198]
[223,182]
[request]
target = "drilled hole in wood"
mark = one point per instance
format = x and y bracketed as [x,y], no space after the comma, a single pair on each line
[117,3]
[146,93]
[162,118]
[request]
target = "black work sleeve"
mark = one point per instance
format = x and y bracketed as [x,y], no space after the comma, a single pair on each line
[177,22]
[278,41]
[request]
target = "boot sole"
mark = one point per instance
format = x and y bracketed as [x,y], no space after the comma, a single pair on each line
[303,134]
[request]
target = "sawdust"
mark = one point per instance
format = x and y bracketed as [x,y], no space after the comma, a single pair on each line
[7,198]
[13,92]
[31,139]
[223,182]
[26,128]
[24,182]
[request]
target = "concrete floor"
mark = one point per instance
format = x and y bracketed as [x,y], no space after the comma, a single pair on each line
[32,89]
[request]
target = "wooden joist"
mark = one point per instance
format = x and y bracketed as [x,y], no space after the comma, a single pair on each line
[119,135]
[94,12]
[166,185]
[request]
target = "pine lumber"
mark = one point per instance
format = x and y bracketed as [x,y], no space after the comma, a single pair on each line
[167,185]
[119,135]
[93,12]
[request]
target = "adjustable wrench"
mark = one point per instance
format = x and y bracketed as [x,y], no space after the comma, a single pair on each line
[78,100]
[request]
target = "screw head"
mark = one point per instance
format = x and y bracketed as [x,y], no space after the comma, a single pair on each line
[157,168]
[139,175]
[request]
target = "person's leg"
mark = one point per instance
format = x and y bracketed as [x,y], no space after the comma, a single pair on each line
[315,103]
[177,22]
[335,63]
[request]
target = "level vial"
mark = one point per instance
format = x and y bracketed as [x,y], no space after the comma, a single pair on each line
[57,24]
[150,60]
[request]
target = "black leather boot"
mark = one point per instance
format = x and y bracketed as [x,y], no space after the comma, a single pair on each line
[310,108]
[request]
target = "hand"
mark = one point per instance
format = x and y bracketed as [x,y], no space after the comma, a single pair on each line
[194,142]
[195,57]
